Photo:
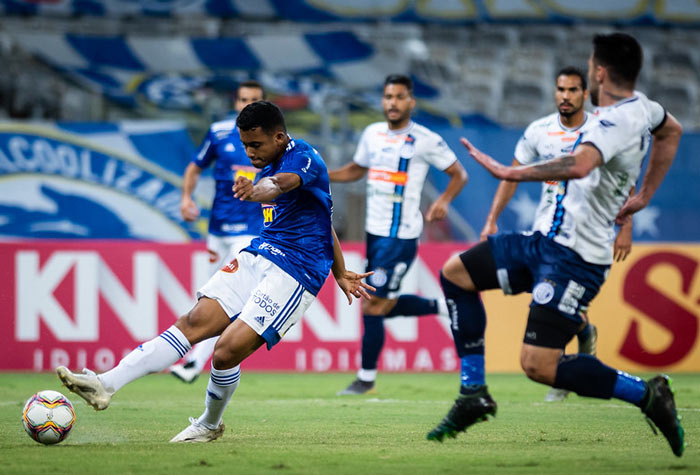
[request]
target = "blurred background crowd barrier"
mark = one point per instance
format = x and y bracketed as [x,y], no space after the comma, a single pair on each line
[102,103]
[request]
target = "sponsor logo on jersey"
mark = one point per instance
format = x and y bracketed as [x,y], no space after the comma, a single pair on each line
[242,170]
[231,267]
[260,320]
[396,178]
[269,214]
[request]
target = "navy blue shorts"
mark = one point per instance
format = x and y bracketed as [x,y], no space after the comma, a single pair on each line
[556,276]
[389,258]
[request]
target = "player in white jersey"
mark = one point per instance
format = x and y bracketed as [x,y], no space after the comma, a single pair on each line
[544,139]
[233,223]
[396,155]
[566,259]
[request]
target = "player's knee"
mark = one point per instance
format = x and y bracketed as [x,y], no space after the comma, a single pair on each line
[223,357]
[377,306]
[536,369]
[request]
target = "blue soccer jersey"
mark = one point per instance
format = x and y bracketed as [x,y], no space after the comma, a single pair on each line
[296,233]
[229,216]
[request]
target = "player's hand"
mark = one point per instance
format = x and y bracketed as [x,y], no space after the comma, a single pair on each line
[188,209]
[489,228]
[493,166]
[631,206]
[242,188]
[437,211]
[623,242]
[352,286]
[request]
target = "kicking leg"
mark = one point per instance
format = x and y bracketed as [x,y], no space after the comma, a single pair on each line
[206,319]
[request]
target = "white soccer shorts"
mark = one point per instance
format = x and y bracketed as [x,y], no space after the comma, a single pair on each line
[262,295]
[222,249]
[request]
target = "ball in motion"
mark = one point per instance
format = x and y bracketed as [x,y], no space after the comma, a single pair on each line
[48,417]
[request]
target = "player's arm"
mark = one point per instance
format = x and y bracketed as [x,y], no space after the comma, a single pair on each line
[663,150]
[568,167]
[349,282]
[350,172]
[188,208]
[267,188]
[458,178]
[504,193]
[623,241]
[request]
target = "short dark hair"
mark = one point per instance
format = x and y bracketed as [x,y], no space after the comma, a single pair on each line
[399,79]
[574,71]
[252,84]
[621,55]
[261,114]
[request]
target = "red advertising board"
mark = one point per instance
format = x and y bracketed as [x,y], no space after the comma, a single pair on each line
[87,303]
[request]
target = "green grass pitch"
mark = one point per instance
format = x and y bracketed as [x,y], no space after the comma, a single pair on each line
[294,424]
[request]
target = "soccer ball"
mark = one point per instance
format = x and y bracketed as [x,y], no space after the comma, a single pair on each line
[48,417]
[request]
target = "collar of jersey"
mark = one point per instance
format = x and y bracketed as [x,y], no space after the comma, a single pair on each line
[573,129]
[400,131]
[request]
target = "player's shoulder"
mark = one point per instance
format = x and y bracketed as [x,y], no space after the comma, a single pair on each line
[546,123]
[299,147]
[375,128]
[223,128]
[632,112]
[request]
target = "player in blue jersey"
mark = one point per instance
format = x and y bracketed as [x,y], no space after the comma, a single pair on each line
[262,293]
[566,258]
[395,155]
[233,223]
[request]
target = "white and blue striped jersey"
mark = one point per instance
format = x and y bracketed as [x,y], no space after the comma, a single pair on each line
[580,214]
[398,162]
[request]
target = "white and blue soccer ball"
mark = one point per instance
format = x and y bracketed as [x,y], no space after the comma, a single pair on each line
[48,417]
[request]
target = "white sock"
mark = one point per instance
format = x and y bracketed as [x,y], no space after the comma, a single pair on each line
[443,311]
[367,374]
[149,357]
[222,385]
[201,353]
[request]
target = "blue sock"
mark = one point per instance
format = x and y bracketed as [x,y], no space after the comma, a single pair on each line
[472,374]
[372,340]
[468,319]
[629,388]
[409,305]
[584,334]
[586,376]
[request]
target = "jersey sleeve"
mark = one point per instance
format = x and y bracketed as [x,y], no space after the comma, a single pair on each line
[658,115]
[526,148]
[361,156]
[302,164]
[206,153]
[610,135]
[440,155]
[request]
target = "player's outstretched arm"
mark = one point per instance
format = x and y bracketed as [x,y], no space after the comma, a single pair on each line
[458,178]
[663,150]
[266,189]
[504,193]
[567,167]
[349,282]
[350,172]
[188,208]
